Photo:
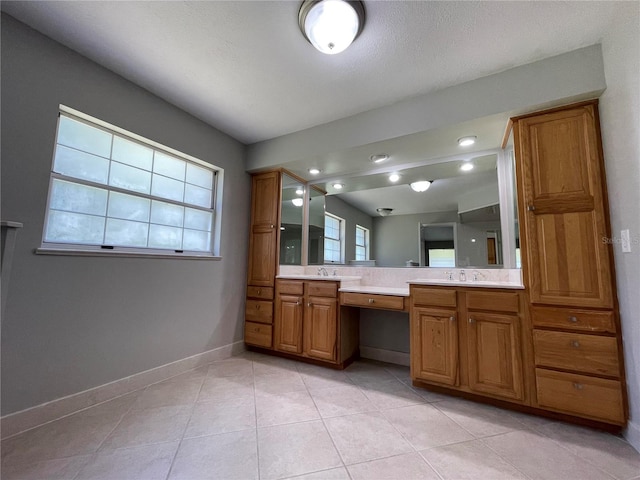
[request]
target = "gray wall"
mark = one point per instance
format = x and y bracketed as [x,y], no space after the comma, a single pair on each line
[384,329]
[352,217]
[620,119]
[396,240]
[72,323]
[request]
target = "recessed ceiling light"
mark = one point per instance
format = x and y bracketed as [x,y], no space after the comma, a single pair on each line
[297,202]
[338,186]
[282,228]
[379,158]
[421,186]
[465,167]
[466,141]
[300,191]
[394,177]
[314,171]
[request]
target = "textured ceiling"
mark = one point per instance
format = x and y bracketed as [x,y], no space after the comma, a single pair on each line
[245,68]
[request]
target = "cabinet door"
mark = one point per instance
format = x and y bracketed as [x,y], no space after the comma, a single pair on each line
[561,188]
[495,358]
[265,199]
[320,327]
[288,324]
[434,345]
[262,256]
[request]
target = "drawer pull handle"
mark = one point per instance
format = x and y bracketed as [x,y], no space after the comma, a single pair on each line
[471,320]
[257,307]
[259,291]
[578,386]
[575,344]
[452,319]
[371,300]
[531,208]
[309,304]
[573,319]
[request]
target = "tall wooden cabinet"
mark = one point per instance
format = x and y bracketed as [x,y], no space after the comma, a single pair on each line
[263,258]
[567,263]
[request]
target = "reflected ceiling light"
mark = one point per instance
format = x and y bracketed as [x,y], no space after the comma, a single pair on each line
[466,141]
[297,202]
[421,186]
[384,212]
[331,25]
[338,186]
[300,191]
[394,177]
[314,171]
[467,166]
[379,158]
[282,228]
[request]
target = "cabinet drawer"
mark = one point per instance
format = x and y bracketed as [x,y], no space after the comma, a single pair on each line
[388,302]
[433,296]
[259,311]
[494,301]
[584,320]
[257,334]
[292,287]
[323,289]
[576,351]
[580,395]
[264,293]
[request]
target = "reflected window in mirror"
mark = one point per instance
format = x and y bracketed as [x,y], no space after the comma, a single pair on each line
[333,239]
[362,243]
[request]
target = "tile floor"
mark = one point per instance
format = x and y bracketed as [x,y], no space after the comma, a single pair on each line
[262,417]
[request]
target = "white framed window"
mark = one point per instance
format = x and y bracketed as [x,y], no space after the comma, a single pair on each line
[112,191]
[362,243]
[333,239]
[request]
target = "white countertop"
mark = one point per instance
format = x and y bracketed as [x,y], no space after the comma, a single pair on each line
[458,283]
[330,278]
[378,290]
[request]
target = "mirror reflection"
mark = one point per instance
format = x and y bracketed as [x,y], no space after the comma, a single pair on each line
[316,227]
[291,221]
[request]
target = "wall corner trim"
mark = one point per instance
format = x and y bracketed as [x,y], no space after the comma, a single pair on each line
[18,422]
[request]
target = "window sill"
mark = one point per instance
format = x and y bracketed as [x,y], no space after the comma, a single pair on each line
[115,253]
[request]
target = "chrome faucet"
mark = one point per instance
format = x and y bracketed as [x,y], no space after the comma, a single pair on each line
[323,271]
[477,275]
[449,275]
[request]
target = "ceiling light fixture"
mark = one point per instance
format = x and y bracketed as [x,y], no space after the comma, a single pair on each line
[314,171]
[421,186]
[394,177]
[379,158]
[338,186]
[331,25]
[300,191]
[384,212]
[467,166]
[297,202]
[467,141]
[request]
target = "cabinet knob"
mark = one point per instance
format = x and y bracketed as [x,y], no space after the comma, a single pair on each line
[573,319]
[259,291]
[298,302]
[578,386]
[309,304]
[257,307]
[452,319]
[271,225]
[257,329]
[371,300]
[471,320]
[531,208]
[575,343]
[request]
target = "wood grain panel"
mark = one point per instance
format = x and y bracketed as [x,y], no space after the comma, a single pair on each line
[262,258]
[386,302]
[322,289]
[258,334]
[573,319]
[288,324]
[433,296]
[320,328]
[265,194]
[434,347]
[259,311]
[291,287]
[494,301]
[265,293]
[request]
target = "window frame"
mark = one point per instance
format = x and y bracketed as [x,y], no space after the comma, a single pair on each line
[366,243]
[341,231]
[54,248]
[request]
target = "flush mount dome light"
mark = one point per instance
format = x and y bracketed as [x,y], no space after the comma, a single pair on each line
[338,186]
[421,186]
[300,191]
[314,171]
[297,202]
[394,177]
[331,25]
[379,158]
[467,166]
[384,212]
[467,141]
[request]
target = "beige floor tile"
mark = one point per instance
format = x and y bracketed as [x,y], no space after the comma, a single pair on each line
[429,396]
[229,456]
[149,462]
[332,474]
[470,461]
[290,450]
[424,426]
[233,367]
[608,452]
[391,394]
[409,466]
[280,408]
[226,388]
[365,436]
[324,378]
[343,400]
[367,373]
[401,372]
[58,469]
[279,383]
[182,391]
[479,419]
[273,365]
[212,418]
[539,457]
[152,425]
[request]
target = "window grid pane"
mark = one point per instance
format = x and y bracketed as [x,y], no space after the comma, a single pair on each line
[83,213]
[332,239]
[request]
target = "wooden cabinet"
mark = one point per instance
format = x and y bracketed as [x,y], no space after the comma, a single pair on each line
[288,327]
[469,339]
[367,300]
[263,257]
[567,264]
[320,327]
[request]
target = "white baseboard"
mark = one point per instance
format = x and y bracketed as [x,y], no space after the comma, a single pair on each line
[29,418]
[632,434]
[389,356]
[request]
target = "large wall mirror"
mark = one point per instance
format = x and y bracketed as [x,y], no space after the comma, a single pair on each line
[291,221]
[465,218]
